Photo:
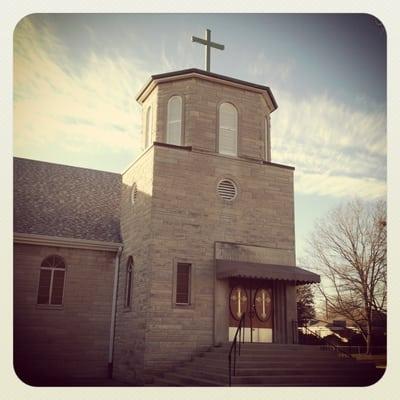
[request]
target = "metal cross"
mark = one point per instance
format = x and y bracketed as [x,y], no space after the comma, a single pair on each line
[263,299]
[208,43]
[239,299]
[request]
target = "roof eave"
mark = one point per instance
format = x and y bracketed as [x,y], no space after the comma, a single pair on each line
[182,74]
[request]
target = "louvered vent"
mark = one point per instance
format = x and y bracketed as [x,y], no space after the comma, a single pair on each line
[227,189]
[133,193]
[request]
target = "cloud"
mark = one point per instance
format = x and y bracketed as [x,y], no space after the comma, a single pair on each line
[336,150]
[262,67]
[89,109]
[82,109]
[339,186]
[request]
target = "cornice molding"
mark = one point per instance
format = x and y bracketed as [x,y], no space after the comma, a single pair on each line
[154,81]
[55,241]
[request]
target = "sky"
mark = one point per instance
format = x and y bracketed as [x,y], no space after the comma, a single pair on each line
[76,77]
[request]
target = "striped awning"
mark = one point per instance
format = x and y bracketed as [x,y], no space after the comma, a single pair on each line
[244,269]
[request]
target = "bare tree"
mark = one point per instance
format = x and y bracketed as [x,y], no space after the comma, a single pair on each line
[348,249]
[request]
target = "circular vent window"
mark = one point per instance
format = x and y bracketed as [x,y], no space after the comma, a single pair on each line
[134,193]
[227,189]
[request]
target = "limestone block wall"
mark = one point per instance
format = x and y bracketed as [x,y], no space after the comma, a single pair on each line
[136,236]
[71,340]
[188,216]
[201,101]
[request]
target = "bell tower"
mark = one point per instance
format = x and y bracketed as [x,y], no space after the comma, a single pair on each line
[208,220]
[208,112]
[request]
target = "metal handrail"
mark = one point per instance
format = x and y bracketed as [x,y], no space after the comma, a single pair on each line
[335,347]
[233,347]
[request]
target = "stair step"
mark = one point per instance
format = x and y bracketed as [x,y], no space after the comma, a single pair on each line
[271,357]
[292,365]
[339,370]
[185,379]
[205,363]
[309,380]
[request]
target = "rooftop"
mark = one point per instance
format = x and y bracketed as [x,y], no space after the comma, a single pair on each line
[64,201]
[192,72]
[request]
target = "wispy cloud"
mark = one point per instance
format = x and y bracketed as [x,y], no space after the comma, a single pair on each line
[262,66]
[91,109]
[61,107]
[337,151]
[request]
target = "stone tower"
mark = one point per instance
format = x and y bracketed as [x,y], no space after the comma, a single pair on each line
[207,223]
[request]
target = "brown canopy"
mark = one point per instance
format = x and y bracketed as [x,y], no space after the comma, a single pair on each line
[229,268]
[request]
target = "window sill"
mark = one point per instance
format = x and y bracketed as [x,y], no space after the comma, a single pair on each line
[183,306]
[50,306]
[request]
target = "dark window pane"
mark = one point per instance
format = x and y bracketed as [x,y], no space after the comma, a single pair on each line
[53,261]
[182,283]
[128,288]
[128,285]
[58,287]
[44,286]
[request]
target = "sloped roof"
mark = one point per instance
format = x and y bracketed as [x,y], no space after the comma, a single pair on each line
[64,201]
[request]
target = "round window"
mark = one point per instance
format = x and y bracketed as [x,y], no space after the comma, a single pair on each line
[227,189]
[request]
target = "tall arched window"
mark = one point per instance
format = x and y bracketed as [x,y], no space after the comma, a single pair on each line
[129,280]
[227,136]
[51,281]
[148,128]
[267,147]
[174,121]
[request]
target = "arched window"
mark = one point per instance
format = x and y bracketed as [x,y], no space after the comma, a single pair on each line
[148,128]
[267,144]
[227,142]
[129,279]
[174,121]
[51,281]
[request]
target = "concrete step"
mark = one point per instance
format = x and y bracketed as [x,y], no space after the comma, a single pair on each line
[270,357]
[271,371]
[185,379]
[223,364]
[270,346]
[306,380]
[292,366]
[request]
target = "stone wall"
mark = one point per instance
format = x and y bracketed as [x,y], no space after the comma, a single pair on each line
[201,101]
[136,234]
[188,216]
[72,340]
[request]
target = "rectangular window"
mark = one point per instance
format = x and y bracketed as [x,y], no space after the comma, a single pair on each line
[183,283]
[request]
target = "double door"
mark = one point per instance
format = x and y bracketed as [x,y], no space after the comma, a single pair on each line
[253,297]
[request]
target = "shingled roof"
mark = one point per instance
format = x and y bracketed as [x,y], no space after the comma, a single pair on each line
[64,201]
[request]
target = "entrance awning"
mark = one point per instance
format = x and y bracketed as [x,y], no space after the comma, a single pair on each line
[244,269]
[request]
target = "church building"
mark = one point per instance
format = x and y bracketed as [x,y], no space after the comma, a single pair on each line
[127,275]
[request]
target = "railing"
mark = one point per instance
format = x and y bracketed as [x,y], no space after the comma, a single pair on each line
[295,330]
[338,349]
[233,347]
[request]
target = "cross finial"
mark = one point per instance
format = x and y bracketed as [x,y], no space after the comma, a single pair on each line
[208,43]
